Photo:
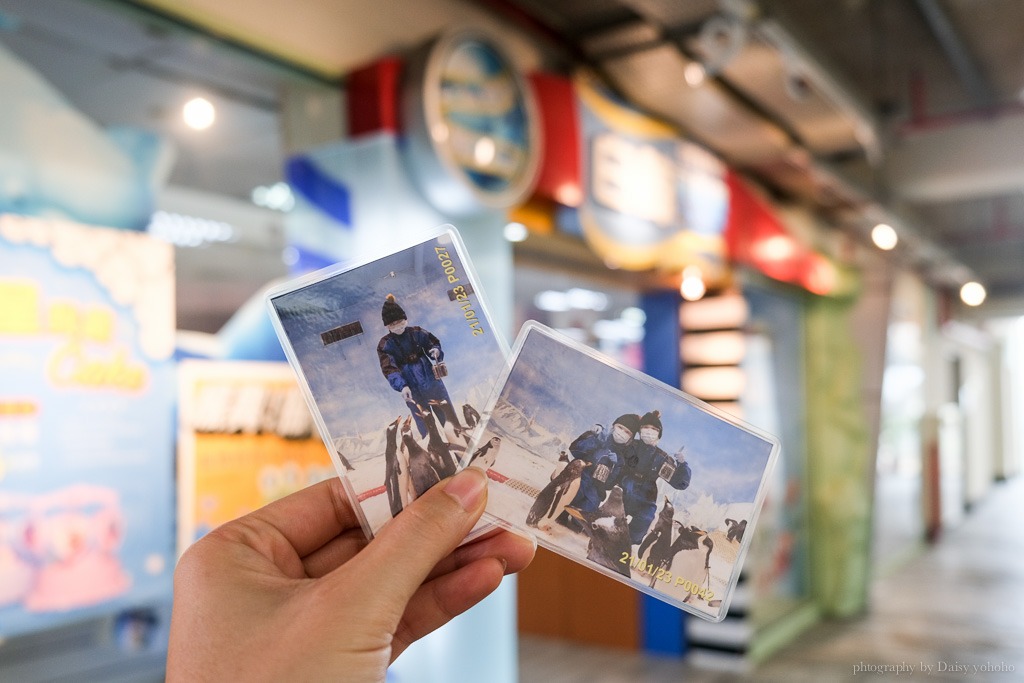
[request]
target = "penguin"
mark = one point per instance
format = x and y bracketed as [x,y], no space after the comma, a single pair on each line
[422,474]
[486,455]
[440,455]
[556,495]
[659,538]
[392,468]
[448,411]
[686,558]
[456,435]
[608,532]
[470,415]
[405,486]
[736,530]
[344,461]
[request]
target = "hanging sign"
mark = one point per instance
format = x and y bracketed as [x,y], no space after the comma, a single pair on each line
[472,138]
[651,199]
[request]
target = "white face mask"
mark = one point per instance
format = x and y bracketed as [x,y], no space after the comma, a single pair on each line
[398,327]
[649,435]
[620,434]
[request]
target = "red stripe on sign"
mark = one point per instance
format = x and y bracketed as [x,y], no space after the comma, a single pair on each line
[500,478]
[370,494]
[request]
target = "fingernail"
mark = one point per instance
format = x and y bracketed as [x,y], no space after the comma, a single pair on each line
[467,487]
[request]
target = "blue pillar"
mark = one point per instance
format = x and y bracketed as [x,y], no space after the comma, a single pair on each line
[662,627]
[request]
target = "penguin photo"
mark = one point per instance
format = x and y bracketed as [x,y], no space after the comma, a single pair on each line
[455,434]
[608,532]
[485,456]
[690,555]
[558,493]
[440,454]
[659,538]
[421,472]
[736,530]
[393,468]
[344,461]
[470,416]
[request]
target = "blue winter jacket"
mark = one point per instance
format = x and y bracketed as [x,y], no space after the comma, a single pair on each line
[404,359]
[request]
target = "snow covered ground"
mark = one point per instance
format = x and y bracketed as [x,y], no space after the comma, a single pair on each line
[529,455]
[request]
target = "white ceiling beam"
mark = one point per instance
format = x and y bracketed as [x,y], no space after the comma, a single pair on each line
[973,158]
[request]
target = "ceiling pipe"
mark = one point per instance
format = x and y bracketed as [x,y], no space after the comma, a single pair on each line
[864,122]
[957,53]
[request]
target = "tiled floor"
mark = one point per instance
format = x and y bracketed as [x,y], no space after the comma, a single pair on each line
[957,607]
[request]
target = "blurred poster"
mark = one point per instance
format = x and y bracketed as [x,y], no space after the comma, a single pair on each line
[777,566]
[245,438]
[86,421]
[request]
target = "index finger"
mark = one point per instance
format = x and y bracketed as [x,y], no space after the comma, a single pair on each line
[309,518]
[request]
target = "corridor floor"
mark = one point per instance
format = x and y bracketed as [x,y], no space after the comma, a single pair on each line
[958,607]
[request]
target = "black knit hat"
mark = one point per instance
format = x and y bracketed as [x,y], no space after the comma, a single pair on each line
[391,312]
[630,421]
[652,419]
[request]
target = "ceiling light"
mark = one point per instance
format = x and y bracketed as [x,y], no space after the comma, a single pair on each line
[884,236]
[586,299]
[693,287]
[484,151]
[277,197]
[552,301]
[188,231]
[516,232]
[972,293]
[775,248]
[634,316]
[199,113]
[694,74]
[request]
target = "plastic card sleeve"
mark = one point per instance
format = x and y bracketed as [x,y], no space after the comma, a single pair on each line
[622,473]
[396,356]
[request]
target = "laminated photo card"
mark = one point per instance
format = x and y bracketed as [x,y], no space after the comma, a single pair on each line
[622,473]
[396,356]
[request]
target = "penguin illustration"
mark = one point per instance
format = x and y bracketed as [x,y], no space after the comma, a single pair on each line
[486,455]
[392,468]
[736,530]
[470,416]
[687,559]
[556,495]
[440,455]
[659,538]
[608,532]
[422,475]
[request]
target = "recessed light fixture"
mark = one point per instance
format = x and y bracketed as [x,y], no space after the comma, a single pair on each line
[973,293]
[692,287]
[277,197]
[694,74]
[884,236]
[577,298]
[189,231]
[199,113]
[515,232]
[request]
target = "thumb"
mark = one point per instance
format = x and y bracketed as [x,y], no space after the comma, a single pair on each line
[398,560]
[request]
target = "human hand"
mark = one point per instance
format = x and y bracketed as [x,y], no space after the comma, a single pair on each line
[435,353]
[293,591]
[406,394]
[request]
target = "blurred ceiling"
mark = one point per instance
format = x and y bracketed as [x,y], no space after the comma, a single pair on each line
[903,111]
[907,111]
